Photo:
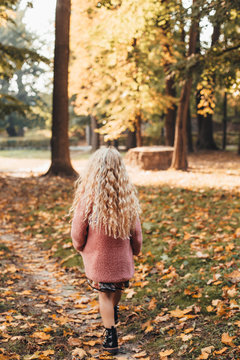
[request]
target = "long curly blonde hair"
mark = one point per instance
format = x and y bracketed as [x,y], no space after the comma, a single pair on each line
[109,198]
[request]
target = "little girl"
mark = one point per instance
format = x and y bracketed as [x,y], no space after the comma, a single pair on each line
[106,231]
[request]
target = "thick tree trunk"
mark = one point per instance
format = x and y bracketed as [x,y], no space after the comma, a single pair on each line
[138,130]
[179,160]
[224,140]
[95,138]
[60,156]
[170,119]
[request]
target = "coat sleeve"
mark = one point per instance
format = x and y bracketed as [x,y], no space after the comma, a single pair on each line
[79,228]
[136,238]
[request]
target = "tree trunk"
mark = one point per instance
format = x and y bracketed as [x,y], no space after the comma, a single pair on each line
[170,119]
[131,139]
[170,90]
[138,130]
[205,140]
[224,140]
[179,160]
[95,138]
[189,131]
[60,155]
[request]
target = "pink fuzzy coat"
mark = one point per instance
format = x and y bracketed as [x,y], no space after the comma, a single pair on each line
[105,259]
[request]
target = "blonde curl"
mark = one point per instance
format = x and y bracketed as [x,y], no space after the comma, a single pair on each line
[109,198]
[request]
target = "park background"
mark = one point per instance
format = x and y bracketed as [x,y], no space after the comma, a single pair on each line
[131,74]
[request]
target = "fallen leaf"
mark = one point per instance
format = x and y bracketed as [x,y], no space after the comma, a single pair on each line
[90,342]
[180,313]
[227,340]
[48,352]
[234,276]
[130,293]
[185,337]
[219,352]
[152,304]
[80,353]
[128,337]
[41,335]
[166,353]
[74,341]
[140,355]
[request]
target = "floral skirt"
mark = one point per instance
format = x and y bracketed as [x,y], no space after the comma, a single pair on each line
[102,286]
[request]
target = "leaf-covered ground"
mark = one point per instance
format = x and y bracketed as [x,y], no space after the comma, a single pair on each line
[183,303]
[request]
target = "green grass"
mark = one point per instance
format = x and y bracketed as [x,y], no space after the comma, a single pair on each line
[39,154]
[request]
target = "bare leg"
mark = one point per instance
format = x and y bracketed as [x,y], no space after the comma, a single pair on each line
[106,308]
[117,296]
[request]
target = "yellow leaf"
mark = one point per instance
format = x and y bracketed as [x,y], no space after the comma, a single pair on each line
[185,337]
[187,331]
[219,352]
[148,329]
[152,304]
[180,313]
[80,353]
[48,329]
[210,308]
[227,340]
[48,352]
[140,355]
[128,337]
[41,335]
[91,342]
[130,293]
[203,356]
[166,353]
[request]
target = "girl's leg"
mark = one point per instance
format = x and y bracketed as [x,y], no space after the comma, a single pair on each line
[117,296]
[106,303]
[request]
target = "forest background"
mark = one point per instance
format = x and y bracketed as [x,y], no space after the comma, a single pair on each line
[140,73]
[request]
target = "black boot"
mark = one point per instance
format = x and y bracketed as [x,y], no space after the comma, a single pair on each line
[116,310]
[110,342]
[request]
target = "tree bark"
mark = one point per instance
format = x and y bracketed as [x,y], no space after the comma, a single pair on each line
[131,139]
[60,155]
[170,119]
[138,130]
[179,160]
[95,138]
[224,140]
[189,131]
[205,140]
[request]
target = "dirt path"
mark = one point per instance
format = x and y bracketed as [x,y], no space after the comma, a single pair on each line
[47,309]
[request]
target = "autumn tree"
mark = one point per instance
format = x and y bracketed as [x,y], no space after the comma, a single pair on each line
[22,85]
[122,81]
[14,55]
[60,155]
[218,68]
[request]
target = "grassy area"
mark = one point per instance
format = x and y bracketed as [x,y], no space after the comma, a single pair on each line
[187,283]
[39,154]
